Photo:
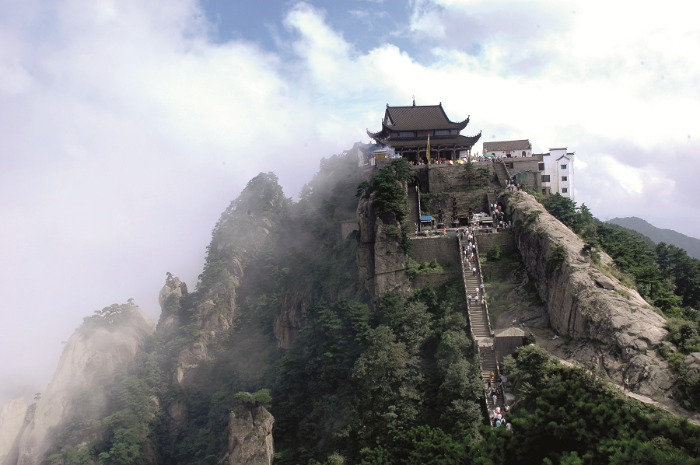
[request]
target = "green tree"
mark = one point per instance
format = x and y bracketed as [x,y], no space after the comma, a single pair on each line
[494,253]
[469,172]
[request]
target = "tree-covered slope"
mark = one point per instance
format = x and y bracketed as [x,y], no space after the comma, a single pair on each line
[690,244]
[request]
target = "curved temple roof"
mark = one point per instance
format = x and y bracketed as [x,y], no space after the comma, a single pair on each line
[416,118]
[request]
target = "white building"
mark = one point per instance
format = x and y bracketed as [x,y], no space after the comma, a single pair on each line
[557,171]
[508,148]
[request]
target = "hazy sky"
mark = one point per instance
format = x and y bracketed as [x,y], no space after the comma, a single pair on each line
[128,126]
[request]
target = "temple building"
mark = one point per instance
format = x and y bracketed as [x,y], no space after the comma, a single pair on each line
[412,131]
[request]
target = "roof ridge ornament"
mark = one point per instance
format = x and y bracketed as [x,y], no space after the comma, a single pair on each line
[414,100]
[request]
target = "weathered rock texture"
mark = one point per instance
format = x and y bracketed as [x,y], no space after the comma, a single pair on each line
[288,324]
[250,438]
[90,357]
[381,261]
[12,421]
[584,303]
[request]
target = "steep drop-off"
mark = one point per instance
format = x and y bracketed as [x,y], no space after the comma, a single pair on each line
[380,260]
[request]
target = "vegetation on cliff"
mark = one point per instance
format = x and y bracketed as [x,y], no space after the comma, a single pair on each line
[565,415]
[663,274]
[387,190]
[355,378]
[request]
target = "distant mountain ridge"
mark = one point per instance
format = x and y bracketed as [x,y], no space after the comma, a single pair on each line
[669,236]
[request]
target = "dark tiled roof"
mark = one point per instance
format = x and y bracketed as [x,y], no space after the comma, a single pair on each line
[507,145]
[435,142]
[420,117]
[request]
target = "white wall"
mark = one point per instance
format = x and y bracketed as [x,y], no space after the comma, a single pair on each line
[553,163]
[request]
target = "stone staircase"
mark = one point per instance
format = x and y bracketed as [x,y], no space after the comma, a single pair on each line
[480,324]
[488,364]
[501,173]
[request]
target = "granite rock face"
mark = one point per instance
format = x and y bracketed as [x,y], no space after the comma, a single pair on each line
[250,438]
[587,303]
[289,322]
[90,356]
[381,261]
[12,421]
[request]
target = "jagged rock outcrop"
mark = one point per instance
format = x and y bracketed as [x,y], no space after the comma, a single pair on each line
[91,355]
[250,437]
[237,239]
[381,261]
[586,303]
[12,422]
[168,298]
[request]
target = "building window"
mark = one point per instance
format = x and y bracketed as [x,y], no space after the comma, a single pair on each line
[509,166]
[442,133]
[564,190]
[545,178]
[394,134]
[564,178]
[563,167]
[540,166]
[544,191]
[454,132]
[523,153]
[407,134]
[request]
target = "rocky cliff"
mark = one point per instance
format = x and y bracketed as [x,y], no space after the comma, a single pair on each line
[91,355]
[380,260]
[237,238]
[250,437]
[12,422]
[615,328]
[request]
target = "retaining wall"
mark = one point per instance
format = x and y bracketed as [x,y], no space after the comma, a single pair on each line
[504,239]
[435,279]
[439,178]
[442,249]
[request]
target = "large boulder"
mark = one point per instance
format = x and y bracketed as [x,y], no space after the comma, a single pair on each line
[585,301]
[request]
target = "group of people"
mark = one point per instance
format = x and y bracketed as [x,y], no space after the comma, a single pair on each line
[439,161]
[498,418]
[496,390]
[512,186]
[476,298]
